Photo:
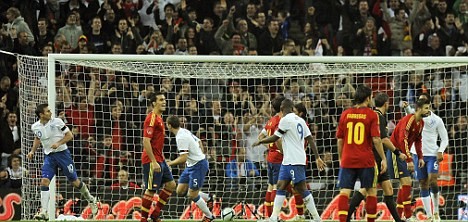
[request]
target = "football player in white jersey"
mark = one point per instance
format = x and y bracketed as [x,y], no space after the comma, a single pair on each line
[434,127]
[191,180]
[293,130]
[53,134]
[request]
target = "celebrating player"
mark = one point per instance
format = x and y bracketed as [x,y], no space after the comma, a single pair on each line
[434,128]
[156,172]
[358,129]
[192,178]
[294,130]
[53,134]
[407,132]
[381,104]
[274,159]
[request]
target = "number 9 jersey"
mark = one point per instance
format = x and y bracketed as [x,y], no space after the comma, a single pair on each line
[293,129]
[356,128]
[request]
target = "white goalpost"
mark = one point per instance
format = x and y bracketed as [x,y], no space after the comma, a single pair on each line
[224,100]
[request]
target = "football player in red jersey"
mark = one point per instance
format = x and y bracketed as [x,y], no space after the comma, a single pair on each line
[156,172]
[274,157]
[407,131]
[358,130]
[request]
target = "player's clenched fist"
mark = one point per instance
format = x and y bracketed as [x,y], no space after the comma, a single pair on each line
[30,155]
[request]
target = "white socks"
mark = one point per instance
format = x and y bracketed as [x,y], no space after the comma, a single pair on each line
[45,195]
[203,207]
[310,204]
[278,204]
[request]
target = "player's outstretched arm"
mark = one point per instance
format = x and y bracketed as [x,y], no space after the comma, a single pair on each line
[379,148]
[270,139]
[182,158]
[36,144]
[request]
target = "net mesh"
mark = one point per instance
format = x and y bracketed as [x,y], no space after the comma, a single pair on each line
[225,104]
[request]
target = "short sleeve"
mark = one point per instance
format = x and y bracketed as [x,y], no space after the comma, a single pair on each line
[61,125]
[383,127]
[306,131]
[339,130]
[182,145]
[282,127]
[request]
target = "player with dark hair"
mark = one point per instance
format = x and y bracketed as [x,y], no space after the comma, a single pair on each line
[192,178]
[407,132]
[381,103]
[274,156]
[53,134]
[294,131]
[156,172]
[358,129]
[433,154]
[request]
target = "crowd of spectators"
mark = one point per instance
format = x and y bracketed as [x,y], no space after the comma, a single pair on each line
[105,109]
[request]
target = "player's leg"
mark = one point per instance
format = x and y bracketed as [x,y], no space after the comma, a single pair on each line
[347,177]
[166,191]
[66,164]
[183,183]
[299,181]
[284,178]
[197,175]
[299,200]
[48,172]
[388,198]
[433,170]
[404,193]
[368,178]
[273,172]
[150,179]
[423,176]
[356,200]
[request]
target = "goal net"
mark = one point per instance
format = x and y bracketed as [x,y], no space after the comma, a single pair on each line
[225,101]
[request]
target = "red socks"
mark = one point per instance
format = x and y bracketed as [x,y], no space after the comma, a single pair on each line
[268,204]
[146,202]
[343,207]
[399,202]
[406,197]
[371,208]
[299,203]
[163,198]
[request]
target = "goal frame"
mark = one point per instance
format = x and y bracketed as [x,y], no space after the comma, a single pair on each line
[54,57]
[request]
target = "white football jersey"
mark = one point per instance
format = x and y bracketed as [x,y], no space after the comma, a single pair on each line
[50,133]
[293,129]
[188,143]
[434,128]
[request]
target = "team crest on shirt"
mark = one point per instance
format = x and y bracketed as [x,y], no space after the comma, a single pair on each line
[431,123]
[39,134]
[148,131]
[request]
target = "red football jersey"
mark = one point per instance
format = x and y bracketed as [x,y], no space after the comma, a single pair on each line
[274,155]
[357,126]
[154,129]
[407,132]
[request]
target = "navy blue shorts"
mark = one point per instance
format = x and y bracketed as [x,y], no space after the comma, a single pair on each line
[431,166]
[62,160]
[153,180]
[195,175]
[348,177]
[273,173]
[396,168]
[293,173]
